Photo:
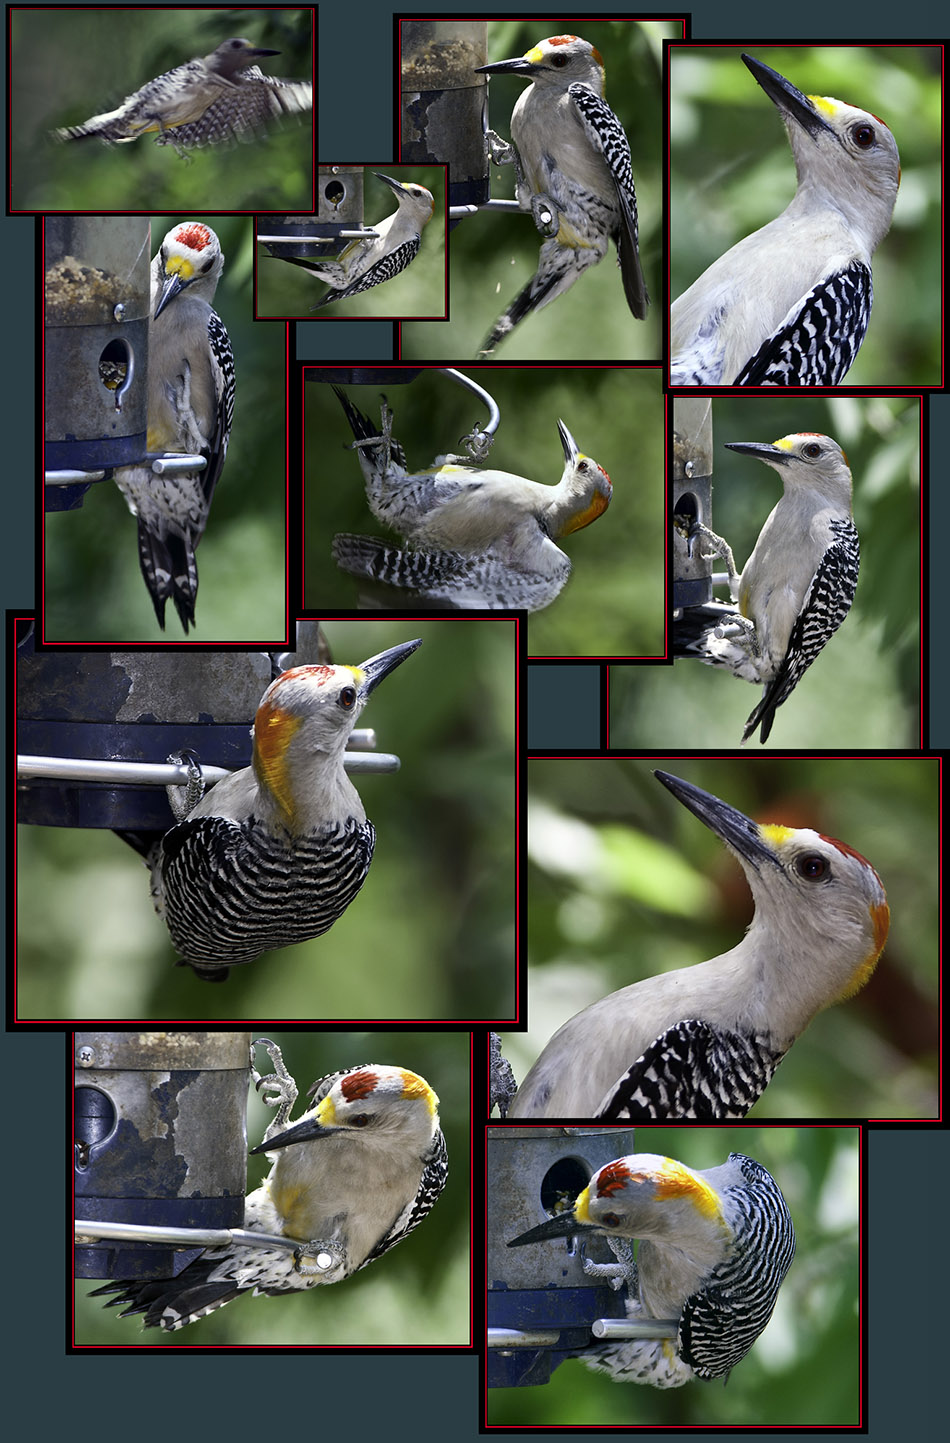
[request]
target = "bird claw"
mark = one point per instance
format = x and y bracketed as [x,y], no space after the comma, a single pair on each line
[502,152]
[183,800]
[477,443]
[280,1090]
[546,215]
[322,1255]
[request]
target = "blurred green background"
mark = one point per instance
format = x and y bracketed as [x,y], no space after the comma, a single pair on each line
[493,255]
[804,1370]
[417,1294]
[419,290]
[94,587]
[624,883]
[612,604]
[100,57]
[864,688]
[732,172]
[431,933]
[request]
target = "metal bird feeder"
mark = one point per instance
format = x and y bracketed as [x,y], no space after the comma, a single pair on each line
[692,498]
[444,102]
[160,1139]
[94,729]
[541,1303]
[339,218]
[96,308]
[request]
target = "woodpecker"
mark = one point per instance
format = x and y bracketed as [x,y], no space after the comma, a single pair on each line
[704,1041]
[218,97]
[572,172]
[477,531]
[352,1178]
[190,409]
[474,581]
[798,585]
[369,262]
[715,1247]
[789,304]
[276,852]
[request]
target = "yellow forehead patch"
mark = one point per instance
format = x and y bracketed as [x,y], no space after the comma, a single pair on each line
[785,443]
[326,1111]
[775,834]
[179,266]
[582,1207]
[825,104]
[358,676]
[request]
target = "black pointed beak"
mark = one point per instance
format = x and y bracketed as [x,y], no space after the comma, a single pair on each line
[307,1130]
[565,1226]
[395,184]
[380,666]
[737,830]
[506,67]
[765,451]
[788,99]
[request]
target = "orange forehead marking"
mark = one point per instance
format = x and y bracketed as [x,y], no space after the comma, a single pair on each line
[195,236]
[562,39]
[881,917]
[358,1085]
[612,1177]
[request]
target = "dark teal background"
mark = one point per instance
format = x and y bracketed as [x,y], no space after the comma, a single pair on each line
[395,1397]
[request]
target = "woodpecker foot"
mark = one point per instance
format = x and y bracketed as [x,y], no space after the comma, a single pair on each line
[618,1274]
[183,800]
[502,1085]
[546,215]
[720,548]
[318,1257]
[502,152]
[280,1090]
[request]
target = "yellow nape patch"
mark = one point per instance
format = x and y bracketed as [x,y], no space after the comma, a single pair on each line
[675,1180]
[772,832]
[880,916]
[825,104]
[415,1086]
[180,266]
[273,729]
[582,1207]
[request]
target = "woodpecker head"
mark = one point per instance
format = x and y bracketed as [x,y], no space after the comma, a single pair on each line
[414,197]
[585,482]
[190,256]
[309,712]
[555,62]
[845,151]
[234,55]
[641,1196]
[805,459]
[819,896]
[370,1106]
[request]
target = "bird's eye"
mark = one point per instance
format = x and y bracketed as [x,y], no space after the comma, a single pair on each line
[348,697]
[812,867]
[360,1120]
[812,449]
[863,135]
[610,1220]
[560,60]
